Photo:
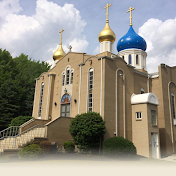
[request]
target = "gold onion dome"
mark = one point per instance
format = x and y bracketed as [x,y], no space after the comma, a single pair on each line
[107,34]
[59,53]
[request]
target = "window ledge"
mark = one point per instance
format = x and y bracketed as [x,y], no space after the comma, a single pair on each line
[138,119]
[154,125]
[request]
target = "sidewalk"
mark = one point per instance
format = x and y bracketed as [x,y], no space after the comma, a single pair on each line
[171,158]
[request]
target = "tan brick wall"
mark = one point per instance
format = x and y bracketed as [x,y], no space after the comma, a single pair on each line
[142,128]
[58,131]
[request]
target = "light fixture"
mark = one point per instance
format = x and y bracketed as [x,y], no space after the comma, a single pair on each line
[120,74]
[75,100]
[65,90]
[90,62]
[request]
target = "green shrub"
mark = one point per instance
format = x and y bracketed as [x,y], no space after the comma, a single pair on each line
[69,146]
[87,130]
[17,121]
[46,147]
[118,146]
[32,151]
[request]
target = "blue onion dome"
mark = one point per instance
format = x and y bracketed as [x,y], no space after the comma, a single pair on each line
[131,40]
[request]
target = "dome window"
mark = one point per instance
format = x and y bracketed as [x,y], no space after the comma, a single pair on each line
[129,59]
[137,60]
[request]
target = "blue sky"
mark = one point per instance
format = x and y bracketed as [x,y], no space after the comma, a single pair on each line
[32,27]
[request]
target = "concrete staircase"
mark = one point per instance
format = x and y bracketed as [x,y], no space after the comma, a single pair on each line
[10,141]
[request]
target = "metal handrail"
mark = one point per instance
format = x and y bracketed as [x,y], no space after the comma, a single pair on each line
[14,142]
[28,122]
[10,131]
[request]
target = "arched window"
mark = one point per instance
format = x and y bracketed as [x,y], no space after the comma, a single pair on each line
[137,60]
[41,99]
[65,105]
[142,91]
[63,79]
[71,81]
[129,58]
[90,90]
[67,75]
[173,105]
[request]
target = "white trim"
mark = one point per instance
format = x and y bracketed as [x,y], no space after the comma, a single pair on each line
[124,115]
[79,88]
[34,97]
[171,122]
[101,85]
[47,107]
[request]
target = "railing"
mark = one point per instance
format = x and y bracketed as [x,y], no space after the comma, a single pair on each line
[28,122]
[14,142]
[11,131]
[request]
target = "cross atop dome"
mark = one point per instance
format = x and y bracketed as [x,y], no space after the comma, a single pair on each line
[107,14]
[130,10]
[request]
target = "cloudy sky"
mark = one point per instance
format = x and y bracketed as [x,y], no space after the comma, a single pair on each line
[32,26]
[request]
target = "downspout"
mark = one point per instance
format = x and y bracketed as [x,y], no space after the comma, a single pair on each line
[47,98]
[171,122]
[148,83]
[124,115]
[79,88]
[35,96]
[101,87]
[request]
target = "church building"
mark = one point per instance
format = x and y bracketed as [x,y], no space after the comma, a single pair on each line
[134,104]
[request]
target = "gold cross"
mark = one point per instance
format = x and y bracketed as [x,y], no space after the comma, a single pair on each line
[107,6]
[130,10]
[61,36]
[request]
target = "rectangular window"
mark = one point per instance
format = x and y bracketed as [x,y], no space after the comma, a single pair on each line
[153,117]
[138,115]
[90,90]
[41,100]
[173,106]
[63,80]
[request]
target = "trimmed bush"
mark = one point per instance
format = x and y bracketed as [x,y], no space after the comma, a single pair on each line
[87,130]
[46,147]
[17,121]
[69,146]
[32,151]
[118,146]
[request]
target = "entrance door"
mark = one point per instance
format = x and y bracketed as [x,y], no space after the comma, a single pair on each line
[65,110]
[155,145]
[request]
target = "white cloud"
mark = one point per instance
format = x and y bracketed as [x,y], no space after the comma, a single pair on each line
[38,35]
[8,7]
[161,46]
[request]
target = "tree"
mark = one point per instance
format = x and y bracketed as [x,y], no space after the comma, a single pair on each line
[17,85]
[17,121]
[87,130]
